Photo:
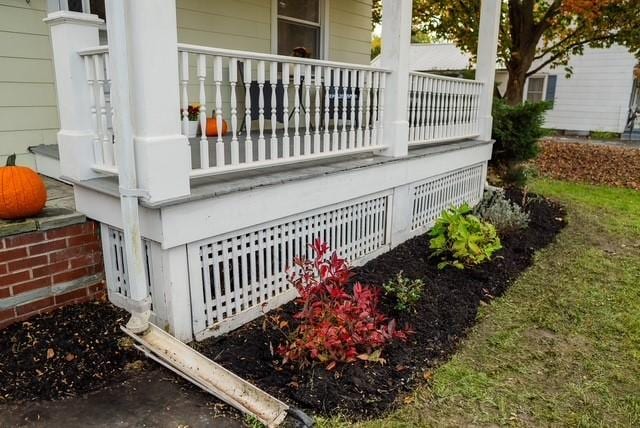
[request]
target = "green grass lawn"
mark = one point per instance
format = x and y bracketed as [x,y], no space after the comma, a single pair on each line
[562,347]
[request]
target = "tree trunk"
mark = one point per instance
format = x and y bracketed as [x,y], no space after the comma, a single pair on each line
[514,94]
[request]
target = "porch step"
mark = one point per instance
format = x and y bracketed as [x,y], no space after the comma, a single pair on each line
[47,159]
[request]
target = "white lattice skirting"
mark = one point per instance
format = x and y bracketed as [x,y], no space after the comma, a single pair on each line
[432,196]
[238,277]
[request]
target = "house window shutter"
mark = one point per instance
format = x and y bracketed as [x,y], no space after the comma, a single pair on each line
[551,88]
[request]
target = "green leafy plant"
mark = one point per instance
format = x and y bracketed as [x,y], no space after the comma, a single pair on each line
[462,239]
[504,215]
[516,131]
[407,292]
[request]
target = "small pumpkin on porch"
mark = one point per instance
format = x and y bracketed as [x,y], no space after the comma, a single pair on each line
[212,127]
[22,191]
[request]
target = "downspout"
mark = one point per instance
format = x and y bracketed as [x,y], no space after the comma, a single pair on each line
[140,305]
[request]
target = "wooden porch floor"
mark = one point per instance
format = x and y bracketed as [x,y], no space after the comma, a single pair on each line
[218,185]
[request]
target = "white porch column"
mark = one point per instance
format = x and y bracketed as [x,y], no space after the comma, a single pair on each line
[396,39]
[487,57]
[70,32]
[149,44]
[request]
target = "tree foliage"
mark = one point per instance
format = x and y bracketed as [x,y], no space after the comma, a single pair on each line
[533,33]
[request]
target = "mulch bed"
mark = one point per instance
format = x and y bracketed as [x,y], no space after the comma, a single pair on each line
[590,163]
[448,309]
[67,352]
[80,348]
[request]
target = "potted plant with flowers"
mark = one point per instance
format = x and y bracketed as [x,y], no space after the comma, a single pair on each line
[190,126]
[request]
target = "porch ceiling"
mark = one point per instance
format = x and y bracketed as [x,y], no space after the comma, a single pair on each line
[213,186]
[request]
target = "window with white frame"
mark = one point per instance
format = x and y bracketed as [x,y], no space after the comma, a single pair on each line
[535,89]
[299,28]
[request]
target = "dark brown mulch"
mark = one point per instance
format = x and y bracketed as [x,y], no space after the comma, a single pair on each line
[590,163]
[70,351]
[447,311]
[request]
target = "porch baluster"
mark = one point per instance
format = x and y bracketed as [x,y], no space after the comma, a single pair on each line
[307,109]
[204,143]
[353,82]
[233,81]
[335,140]
[103,131]
[425,102]
[261,141]
[374,113]
[90,74]
[327,99]
[344,142]
[359,79]
[296,110]
[112,149]
[367,122]
[316,130]
[380,136]
[185,97]
[273,78]
[285,110]
[217,78]
[248,144]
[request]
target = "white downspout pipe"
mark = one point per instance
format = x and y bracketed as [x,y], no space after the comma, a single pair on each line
[128,183]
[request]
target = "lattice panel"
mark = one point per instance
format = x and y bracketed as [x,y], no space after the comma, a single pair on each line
[115,261]
[436,194]
[235,278]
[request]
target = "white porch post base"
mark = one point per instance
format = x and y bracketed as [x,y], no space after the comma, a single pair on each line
[156,158]
[70,32]
[402,209]
[175,289]
[76,154]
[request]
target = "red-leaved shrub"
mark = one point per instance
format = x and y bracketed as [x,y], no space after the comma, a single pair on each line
[336,326]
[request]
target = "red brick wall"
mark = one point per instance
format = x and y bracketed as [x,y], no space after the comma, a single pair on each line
[36,260]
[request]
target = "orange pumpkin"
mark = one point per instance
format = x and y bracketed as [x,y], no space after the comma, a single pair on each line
[212,127]
[22,191]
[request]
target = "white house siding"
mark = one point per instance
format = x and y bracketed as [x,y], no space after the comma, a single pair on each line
[28,114]
[238,24]
[247,25]
[350,31]
[596,96]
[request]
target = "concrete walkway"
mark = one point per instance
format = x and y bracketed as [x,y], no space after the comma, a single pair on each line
[153,399]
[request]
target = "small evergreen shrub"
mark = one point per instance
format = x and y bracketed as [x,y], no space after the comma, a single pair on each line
[516,131]
[462,239]
[506,216]
[407,292]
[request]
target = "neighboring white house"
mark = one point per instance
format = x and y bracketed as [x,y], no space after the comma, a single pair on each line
[597,97]
[324,146]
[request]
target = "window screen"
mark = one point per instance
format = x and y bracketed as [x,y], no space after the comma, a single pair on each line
[299,30]
[535,89]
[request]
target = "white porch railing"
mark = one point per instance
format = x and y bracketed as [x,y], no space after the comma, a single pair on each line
[442,108]
[96,62]
[281,109]
[305,109]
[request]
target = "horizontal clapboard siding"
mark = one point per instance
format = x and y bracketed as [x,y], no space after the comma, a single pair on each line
[28,113]
[596,97]
[350,31]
